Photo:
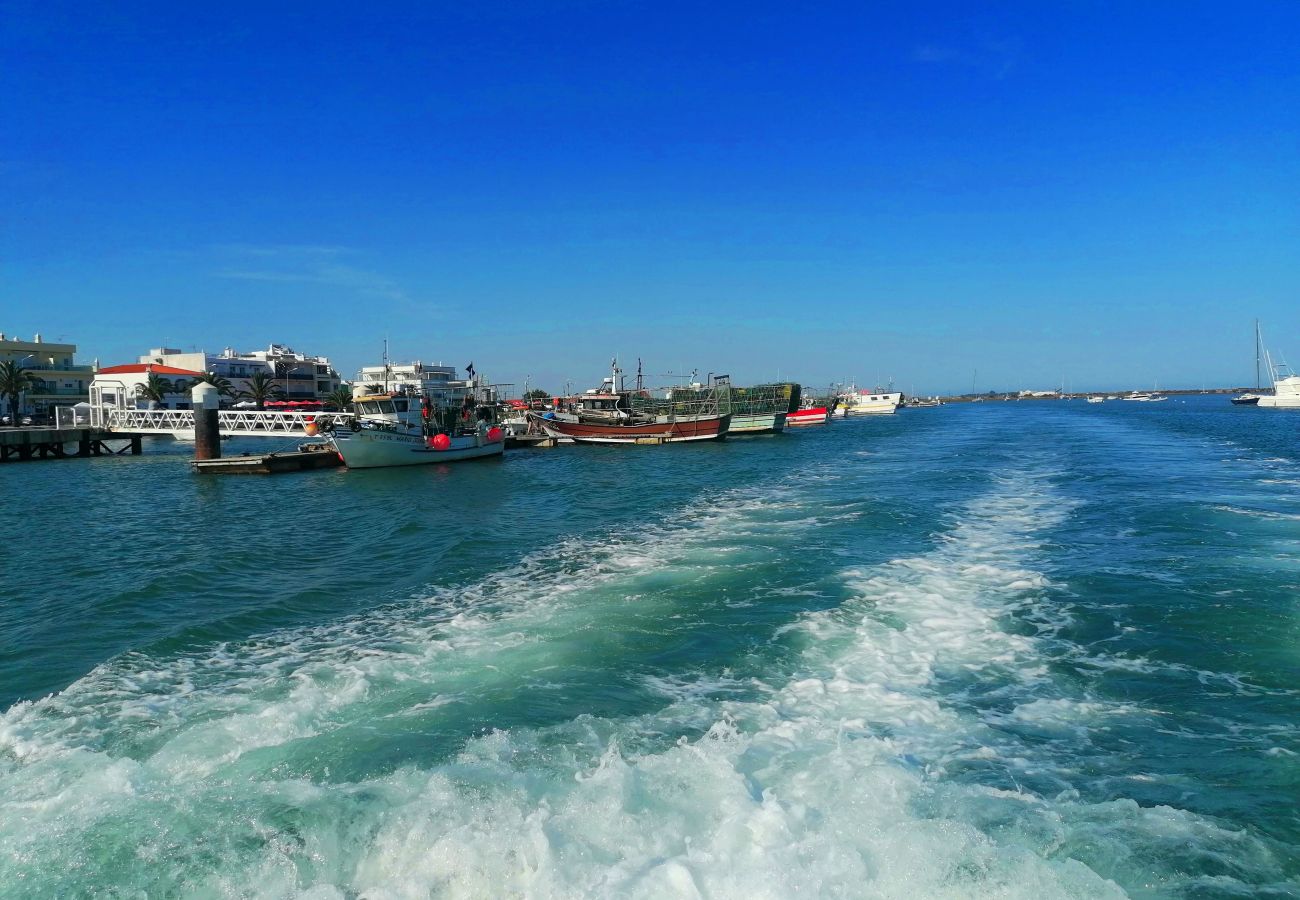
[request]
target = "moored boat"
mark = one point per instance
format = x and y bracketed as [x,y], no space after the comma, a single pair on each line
[809,415]
[760,409]
[869,403]
[406,431]
[614,415]
[425,416]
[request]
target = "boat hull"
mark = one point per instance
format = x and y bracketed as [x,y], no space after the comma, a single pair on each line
[367,449]
[1284,402]
[1248,400]
[756,423]
[704,428]
[818,415]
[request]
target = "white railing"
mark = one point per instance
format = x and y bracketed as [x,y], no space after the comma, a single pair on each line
[171,421]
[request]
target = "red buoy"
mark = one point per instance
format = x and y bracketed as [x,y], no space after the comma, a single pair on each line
[440,442]
[493,434]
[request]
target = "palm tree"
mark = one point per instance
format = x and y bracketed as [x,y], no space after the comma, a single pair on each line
[14,379]
[340,397]
[374,388]
[156,388]
[262,387]
[222,384]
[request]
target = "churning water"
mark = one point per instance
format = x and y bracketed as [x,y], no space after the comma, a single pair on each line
[1027,650]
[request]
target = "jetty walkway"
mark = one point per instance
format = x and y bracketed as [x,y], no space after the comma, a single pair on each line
[19,444]
[179,423]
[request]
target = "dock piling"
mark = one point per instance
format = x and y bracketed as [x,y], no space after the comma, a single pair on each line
[207,425]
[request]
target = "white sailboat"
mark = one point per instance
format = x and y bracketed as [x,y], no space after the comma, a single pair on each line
[1252,399]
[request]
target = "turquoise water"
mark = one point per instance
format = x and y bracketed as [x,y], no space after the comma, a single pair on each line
[1018,649]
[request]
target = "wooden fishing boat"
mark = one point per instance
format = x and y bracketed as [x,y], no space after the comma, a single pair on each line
[612,415]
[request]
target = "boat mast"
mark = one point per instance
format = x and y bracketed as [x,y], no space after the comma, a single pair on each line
[1257,354]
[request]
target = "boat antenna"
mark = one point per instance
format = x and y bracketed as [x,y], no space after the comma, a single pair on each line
[386,367]
[640,385]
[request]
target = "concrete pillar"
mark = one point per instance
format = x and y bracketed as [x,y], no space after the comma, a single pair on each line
[207,426]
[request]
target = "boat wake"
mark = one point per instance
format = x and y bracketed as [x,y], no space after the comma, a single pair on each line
[905,746]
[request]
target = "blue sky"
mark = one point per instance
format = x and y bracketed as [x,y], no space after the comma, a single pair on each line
[1101,192]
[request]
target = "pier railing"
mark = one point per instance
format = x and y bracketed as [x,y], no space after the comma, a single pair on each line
[181,421]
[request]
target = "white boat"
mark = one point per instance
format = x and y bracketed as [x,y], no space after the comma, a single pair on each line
[868,403]
[1286,383]
[391,430]
[1096,399]
[1286,387]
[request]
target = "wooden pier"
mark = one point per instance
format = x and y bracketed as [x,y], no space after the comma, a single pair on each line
[268,463]
[22,444]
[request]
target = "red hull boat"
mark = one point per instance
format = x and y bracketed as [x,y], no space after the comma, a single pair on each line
[817,415]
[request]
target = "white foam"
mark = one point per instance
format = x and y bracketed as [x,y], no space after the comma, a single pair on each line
[829,783]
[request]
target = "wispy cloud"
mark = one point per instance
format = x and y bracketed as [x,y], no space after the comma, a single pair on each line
[365,283]
[282,251]
[325,265]
[996,56]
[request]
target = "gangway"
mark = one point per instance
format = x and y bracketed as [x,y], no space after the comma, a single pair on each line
[179,423]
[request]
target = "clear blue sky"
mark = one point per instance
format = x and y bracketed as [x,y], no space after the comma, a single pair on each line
[1109,192]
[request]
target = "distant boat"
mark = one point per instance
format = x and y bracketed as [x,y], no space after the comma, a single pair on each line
[869,403]
[1286,383]
[1096,399]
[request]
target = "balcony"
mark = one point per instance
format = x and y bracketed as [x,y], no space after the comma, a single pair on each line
[52,391]
[81,370]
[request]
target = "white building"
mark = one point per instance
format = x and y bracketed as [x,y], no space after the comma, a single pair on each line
[59,382]
[300,376]
[123,386]
[439,383]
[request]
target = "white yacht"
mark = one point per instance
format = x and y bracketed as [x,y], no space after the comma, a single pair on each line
[1286,383]
[1096,399]
[1286,387]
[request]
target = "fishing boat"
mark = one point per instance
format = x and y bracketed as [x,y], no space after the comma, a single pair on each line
[761,409]
[415,415]
[395,430]
[611,414]
[809,413]
[869,403]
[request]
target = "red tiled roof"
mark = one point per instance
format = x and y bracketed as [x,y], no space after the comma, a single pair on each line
[141,368]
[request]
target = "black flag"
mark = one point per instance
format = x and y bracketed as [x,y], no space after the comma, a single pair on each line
[470,370]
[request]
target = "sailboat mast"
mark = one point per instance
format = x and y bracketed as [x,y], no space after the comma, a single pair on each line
[1257,354]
